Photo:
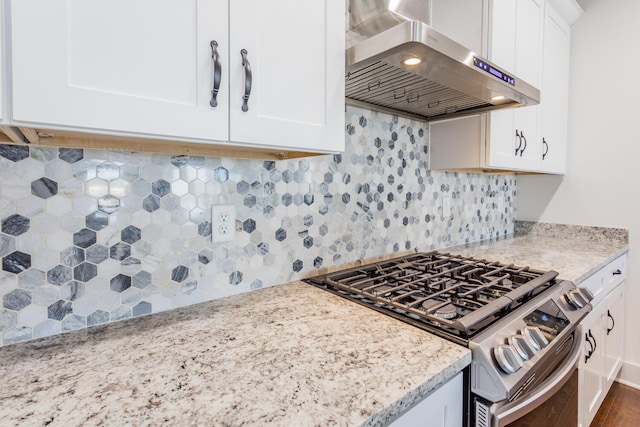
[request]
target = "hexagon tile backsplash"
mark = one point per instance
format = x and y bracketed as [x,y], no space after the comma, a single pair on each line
[95,236]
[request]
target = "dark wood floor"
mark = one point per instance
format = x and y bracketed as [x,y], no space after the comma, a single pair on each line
[621,408]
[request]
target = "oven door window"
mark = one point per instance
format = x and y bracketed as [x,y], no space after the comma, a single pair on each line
[561,410]
[551,401]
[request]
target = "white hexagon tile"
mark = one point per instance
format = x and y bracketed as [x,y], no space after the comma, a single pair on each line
[94,236]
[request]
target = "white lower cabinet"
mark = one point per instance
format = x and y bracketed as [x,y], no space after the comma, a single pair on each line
[591,390]
[603,332]
[442,408]
[614,340]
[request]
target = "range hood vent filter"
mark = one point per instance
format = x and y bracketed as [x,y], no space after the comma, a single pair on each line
[391,87]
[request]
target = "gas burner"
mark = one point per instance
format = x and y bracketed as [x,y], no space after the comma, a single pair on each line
[501,281]
[505,283]
[382,290]
[429,304]
[447,311]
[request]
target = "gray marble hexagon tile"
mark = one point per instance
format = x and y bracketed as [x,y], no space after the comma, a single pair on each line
[93,236]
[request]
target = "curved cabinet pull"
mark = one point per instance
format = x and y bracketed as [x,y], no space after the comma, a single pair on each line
[519,139]
[591,347]
[617,272]
[546,146]
[217,73]
[613,322]
[525,143]
[247,80]
[595,344]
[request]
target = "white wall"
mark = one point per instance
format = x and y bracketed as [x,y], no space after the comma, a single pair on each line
[602,183]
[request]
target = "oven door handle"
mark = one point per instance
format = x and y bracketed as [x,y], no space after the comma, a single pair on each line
[544,391]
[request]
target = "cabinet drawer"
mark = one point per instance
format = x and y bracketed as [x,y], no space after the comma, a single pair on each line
[595,283]
[615,273]
[605,280]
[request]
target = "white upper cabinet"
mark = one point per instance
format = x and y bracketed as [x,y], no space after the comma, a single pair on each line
[296,52]
[462,21]
[554,100]
[531,40]
[515,43]
[148,68]
[140,67]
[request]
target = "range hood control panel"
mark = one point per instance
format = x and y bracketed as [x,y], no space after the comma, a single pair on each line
[493,71]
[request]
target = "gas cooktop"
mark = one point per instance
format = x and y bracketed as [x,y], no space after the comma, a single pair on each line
[453,296]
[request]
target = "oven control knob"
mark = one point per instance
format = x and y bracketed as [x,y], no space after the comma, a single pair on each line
[586,293]
[535,335]
[523,345]
[579,297]
[507,358]
[576,299]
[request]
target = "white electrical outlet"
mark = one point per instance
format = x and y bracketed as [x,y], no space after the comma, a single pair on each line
[223,223]
[446,206]
[500,205]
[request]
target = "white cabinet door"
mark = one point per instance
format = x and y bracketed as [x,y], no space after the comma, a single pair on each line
[614,334]
[604,332]
[442,408]
[296,52]
[142,67]
[462,21]
[459,143]
[515,43]
[502,33]
[591,390]
[554,102]
[509,138]
[146,68]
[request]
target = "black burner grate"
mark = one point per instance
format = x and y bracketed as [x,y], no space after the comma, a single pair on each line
[451,295]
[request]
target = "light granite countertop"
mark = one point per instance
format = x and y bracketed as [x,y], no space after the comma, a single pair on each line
[575,252]
[288,355]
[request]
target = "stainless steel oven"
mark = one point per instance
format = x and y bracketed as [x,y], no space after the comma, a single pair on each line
[536,350]
[551,402]
[521,325]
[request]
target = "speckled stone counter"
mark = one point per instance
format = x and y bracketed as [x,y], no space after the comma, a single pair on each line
[575,252]
[289,355]
[286,355]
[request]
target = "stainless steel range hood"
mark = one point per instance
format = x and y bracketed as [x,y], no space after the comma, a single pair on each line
[449,81]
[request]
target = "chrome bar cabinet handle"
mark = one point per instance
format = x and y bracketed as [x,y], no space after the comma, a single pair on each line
[247,80]
[217,73]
